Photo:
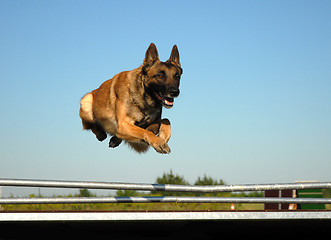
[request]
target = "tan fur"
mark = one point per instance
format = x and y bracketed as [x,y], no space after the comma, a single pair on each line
[129,106]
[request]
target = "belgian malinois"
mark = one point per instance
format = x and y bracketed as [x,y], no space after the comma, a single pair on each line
[129,106]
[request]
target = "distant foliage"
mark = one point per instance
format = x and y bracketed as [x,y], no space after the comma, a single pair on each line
[208,181]
[126,193]
[85,193]
[171,178]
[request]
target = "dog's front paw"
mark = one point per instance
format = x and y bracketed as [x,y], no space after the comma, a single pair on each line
[161,147]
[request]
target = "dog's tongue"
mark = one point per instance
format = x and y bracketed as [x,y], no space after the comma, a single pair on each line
[169,102]
[165,100]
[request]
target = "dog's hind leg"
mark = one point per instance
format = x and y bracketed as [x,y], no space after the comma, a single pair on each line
[88,121]
[114,142]
[99,132]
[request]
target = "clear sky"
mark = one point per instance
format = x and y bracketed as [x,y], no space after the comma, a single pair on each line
[255,103]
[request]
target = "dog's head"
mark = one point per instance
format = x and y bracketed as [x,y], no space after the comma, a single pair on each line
[162,78]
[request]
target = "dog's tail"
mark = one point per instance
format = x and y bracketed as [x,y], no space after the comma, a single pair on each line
[138,147]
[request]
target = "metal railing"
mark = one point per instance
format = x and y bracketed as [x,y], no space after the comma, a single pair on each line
[163,187]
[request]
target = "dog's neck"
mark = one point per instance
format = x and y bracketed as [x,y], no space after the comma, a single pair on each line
[142,92]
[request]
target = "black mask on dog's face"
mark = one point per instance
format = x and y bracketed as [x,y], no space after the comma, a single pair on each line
[162,78]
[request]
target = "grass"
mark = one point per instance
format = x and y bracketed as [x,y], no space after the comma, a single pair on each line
[132,206]
[148,207]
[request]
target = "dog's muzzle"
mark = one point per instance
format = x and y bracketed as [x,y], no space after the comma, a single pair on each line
[167,99]
[173,91]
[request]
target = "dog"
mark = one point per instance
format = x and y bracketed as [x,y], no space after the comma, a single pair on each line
[129,106]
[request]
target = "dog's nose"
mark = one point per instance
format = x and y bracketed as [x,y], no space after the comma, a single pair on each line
[173,91]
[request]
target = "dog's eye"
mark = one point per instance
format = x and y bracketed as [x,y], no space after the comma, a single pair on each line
[177,76]
[160,75]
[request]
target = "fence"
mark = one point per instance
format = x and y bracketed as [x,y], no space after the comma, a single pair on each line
[163,187]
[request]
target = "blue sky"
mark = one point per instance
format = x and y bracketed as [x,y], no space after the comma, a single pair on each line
[255,93]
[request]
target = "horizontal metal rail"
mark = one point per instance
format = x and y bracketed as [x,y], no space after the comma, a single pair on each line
[80,200]
[162,187]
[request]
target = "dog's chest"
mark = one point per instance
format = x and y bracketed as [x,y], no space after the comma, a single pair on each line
[148,117]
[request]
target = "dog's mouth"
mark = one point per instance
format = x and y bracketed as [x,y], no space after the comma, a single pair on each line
[167,102]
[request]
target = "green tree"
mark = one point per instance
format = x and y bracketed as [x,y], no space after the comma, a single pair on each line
[208,181]
[171,178]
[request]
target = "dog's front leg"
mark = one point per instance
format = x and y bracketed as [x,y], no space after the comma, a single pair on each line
[165,130]
[161,128]
[134,133]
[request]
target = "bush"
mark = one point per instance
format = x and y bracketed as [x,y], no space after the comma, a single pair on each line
[84,193]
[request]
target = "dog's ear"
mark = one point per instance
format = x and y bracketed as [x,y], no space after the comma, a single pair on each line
[151,55]
[174,57]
